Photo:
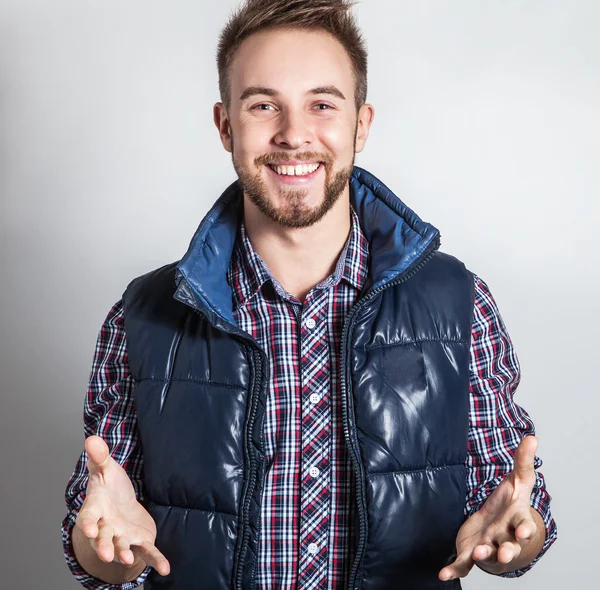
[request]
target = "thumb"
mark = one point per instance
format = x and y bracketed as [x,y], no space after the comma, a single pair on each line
[98,454]
[524,458]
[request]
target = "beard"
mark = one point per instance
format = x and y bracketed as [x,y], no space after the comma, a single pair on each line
[294,213]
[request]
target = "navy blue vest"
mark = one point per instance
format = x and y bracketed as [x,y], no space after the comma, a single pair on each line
[200,400]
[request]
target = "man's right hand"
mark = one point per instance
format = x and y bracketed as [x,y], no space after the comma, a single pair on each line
[118,527]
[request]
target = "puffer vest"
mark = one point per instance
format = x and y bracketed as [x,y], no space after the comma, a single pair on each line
[201,382]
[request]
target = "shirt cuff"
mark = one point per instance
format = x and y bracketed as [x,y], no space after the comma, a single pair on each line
[85,579]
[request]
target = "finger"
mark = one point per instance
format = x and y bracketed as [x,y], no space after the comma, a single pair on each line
[103,543]
[148,553]
[461,566]
[524,459]
[98,454]
[123,552]
[87,521]
[508,551]
[525,527]
[483,553]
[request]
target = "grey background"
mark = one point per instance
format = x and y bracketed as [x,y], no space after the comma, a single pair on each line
[487,124]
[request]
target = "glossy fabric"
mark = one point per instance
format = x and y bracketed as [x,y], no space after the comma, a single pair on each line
[201,382]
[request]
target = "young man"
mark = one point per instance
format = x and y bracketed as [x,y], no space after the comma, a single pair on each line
[314,396]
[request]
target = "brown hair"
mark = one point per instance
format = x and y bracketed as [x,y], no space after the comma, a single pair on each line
[331,16]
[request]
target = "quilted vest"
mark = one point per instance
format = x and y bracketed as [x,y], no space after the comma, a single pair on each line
[201,382]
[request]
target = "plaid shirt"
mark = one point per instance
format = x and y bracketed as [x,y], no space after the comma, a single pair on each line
[308,505]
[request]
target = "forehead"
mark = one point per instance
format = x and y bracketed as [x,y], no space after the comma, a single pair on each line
[294,59]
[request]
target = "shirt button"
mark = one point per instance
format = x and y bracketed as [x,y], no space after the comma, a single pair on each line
[310,323]
[314,471]
[312,548]
[314,398]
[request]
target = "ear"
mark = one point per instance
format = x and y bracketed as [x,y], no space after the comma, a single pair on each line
[221,119]
[366,114]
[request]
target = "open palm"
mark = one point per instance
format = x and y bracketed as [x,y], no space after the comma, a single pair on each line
[495,535]
[119,528]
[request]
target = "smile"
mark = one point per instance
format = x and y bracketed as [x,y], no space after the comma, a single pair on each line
[299,170]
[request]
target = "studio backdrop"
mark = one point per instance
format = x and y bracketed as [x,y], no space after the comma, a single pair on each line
[487,123]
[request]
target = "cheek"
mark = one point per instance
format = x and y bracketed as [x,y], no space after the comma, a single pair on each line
[337,137]
[251,141]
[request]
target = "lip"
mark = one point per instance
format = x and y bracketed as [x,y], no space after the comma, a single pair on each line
[294,180]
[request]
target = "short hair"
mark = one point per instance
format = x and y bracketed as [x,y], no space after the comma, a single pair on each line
[331,16]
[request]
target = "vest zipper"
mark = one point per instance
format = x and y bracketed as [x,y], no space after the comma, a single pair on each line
[257,364]
[256,386]
[354,581]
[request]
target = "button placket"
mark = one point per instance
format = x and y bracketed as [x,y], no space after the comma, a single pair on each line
[316,435]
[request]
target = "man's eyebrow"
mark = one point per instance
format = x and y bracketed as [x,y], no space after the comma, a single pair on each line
[252,90]
[328,90]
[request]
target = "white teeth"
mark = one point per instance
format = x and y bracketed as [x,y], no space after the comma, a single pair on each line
[300,170]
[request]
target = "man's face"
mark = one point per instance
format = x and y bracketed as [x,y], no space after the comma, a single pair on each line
[292,126]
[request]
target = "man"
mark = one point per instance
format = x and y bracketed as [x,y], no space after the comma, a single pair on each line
[314,396]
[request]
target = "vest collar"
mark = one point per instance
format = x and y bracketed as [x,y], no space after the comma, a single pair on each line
[397,239]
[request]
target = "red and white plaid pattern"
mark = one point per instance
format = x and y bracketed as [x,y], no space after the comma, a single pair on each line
[307,510]
[299,508]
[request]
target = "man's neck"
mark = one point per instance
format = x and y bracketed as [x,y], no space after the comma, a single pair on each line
[300,258]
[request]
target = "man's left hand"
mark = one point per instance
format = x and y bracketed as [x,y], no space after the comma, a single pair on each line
[506,533]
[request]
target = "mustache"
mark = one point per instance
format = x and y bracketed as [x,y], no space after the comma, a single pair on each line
[283,157]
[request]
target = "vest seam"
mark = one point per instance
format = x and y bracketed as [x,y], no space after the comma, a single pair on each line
[197,381]
[194,509]
[417,341]
[412,471]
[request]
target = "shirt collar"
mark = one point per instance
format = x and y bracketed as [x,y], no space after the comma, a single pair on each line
[248,272]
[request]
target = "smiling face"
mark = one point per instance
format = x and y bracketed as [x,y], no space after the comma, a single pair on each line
[292,126]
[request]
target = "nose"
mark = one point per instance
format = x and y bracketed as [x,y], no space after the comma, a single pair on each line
[294,131]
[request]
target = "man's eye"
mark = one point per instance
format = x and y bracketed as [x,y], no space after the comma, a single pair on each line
[263,107]
[321,105]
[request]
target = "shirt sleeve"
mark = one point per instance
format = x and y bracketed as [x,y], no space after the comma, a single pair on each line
[496,423]
[109,412]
